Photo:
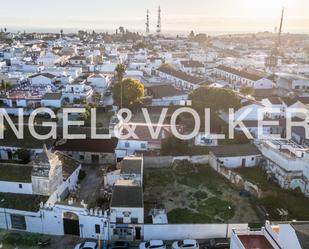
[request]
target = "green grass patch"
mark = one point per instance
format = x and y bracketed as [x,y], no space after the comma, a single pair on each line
[214,206]
[186,216]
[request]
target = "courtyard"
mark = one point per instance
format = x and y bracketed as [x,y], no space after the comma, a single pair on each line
[195,194]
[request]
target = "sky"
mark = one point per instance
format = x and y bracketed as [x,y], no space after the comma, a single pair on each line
[177,15]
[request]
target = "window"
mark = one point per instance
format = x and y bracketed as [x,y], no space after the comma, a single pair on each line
[127,145]
[143,146]
[119,220]
[81,157]
[252,159]
[134,220]
[18,222]
[97,229]
[20,186]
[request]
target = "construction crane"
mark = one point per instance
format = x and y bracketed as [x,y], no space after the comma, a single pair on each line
[272,60]
[147,23]
[159,21]
[280,32]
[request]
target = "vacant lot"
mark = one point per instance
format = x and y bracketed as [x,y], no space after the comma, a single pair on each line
[275,198]
[195,194]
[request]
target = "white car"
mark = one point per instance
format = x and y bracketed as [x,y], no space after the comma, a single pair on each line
[186,244]
[87,245]
[152,244]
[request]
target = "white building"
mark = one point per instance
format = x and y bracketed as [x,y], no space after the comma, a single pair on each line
[234,156]
[77,90]
[288,163]
[100,82]
[292,235]
[42,79]
[179,79]
[242,78]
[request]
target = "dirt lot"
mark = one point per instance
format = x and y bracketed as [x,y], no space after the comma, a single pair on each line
[29,241]
[195,194]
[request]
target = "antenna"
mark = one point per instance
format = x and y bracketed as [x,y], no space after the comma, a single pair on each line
[159,21]
[147,22]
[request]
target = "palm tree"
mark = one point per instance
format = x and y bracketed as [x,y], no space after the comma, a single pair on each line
[120,71]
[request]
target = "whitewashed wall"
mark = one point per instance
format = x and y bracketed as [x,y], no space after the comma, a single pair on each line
[190,231]
[13,187]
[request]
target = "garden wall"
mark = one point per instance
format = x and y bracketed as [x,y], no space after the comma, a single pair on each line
[167,161]
[190,231]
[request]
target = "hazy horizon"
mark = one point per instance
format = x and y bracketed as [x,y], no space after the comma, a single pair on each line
[221,16]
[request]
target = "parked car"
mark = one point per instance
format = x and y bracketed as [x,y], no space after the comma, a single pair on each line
[185,244]
[87,245]
[152,244]
[119,245]
[217,243]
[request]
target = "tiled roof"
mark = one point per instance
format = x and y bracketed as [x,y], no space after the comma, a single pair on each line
[89,145]
[127,196]
[164,91]
[239,73]
[52,96]
[235,150]
[192,63]
[179,74]
[47,75]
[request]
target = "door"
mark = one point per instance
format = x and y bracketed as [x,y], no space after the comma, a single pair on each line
[71,224]
[95,158]
[243,162]
[137,233]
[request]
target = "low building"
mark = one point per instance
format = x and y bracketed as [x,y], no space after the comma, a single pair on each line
[242,78]
[165,95]
[272,236]
[53,100]
[234,156]
[91,151]
[179,79]
[193,67]
[42,79]
[127,211]
[287,162]
[130,168]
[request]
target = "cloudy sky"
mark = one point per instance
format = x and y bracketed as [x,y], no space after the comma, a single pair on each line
[177,15]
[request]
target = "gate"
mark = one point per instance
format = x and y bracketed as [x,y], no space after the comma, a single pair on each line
[71,224]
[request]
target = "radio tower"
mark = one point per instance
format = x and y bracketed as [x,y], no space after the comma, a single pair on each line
[159,21]
[147,23]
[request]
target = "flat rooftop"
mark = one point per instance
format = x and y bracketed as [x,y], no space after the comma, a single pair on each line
[131,165]
[255,242]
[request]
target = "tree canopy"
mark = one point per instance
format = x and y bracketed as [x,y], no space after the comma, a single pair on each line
[120,71]
[217,99]
[247,90]
[128,92]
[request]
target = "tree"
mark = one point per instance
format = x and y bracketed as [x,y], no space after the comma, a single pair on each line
[120,71]
[5,85]
[173,146]
[216,99]
[128,92]
[247,90]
